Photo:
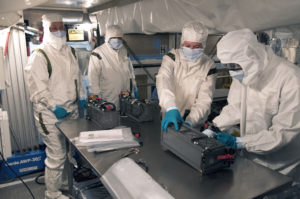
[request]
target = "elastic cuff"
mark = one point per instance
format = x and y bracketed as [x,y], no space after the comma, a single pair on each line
[239,143]
[51,108]
[51,104]
[171,108]
[215,122]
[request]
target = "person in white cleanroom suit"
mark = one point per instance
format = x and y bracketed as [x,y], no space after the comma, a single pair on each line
[110,69]
[186,79]
[54,91]
[265,99]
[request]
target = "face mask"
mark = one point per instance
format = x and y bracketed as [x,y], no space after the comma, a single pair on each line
[115,43]
[192,54]
[54,41]
[237,74]
[59,34]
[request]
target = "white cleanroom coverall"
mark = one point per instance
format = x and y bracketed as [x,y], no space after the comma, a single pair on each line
[48,90]
[266,103]
[187,85]
[110,70]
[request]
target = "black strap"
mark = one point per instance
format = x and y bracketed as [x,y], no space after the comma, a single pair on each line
[73,52]
[171,55]
[186,113]
[42,124]
[131,86]
[97,55]
[76,90]
[49,67]
[212,71]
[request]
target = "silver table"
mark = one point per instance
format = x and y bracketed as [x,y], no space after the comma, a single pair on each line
[244,179]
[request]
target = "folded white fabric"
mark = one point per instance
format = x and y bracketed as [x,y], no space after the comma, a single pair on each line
[126,179]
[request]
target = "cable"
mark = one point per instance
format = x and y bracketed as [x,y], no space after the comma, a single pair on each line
[15,139]
[17,176]
[37,179]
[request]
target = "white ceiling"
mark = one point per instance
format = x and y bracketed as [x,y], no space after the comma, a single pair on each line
[68,5]
[15,5]
[72,4]
[11,10]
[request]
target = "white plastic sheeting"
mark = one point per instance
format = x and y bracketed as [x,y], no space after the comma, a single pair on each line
[5,144]
[10,10]
[9,18]
[15,97]
[152,16]
[126,179]
[285,42]
[2,70]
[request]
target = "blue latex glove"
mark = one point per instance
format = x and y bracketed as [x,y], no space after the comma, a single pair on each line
[60,112]
[227,139]
[136,92]
[172,116]
[82,103]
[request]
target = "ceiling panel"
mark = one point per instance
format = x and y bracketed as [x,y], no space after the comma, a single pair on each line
[72,4]
[13,6]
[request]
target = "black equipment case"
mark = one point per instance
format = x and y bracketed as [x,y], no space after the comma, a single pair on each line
[103,113]
[207,155]
[139,110]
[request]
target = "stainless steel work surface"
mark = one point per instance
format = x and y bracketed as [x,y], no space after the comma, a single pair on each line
[244,179]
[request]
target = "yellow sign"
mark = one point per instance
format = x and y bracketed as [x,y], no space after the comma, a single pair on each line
[76,35]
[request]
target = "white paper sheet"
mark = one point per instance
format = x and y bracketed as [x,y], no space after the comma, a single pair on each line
[101,135]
